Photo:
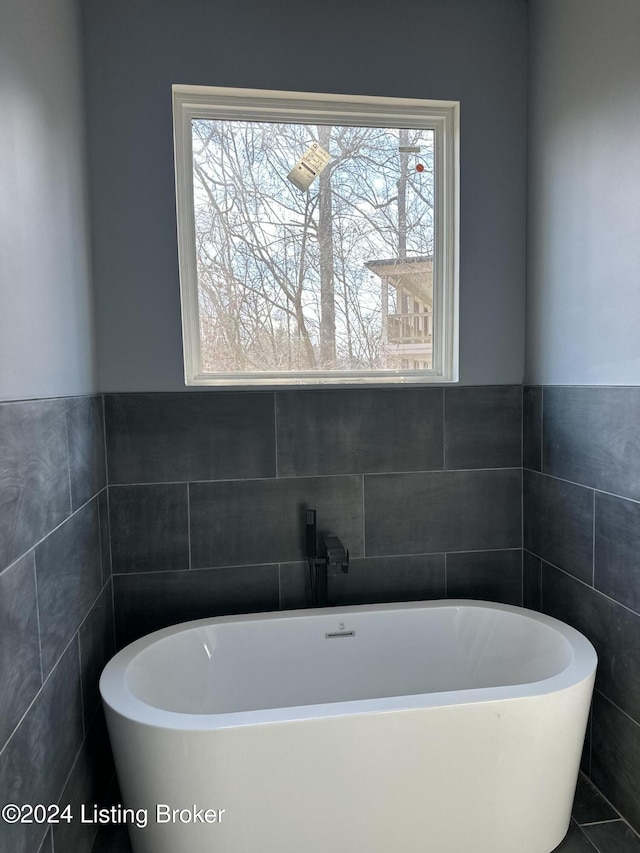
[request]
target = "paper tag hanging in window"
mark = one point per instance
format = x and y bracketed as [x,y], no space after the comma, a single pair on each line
[309,166]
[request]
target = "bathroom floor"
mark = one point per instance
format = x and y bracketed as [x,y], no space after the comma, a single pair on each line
[596,828]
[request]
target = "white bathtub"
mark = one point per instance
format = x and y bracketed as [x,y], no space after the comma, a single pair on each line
[439,727]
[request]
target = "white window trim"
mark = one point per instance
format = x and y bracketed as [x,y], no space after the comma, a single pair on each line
[193,102]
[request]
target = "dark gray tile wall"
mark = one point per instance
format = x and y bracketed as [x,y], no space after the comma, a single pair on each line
[85,424]
[97,646]
[56,615]
[617,549]
[613,630]
[207,495]
[581,536]
[482,427]
[615,757]
[532,428]
[492,575]
[168,438]
[150,527]
[531,581]
[35,493]
[47,844]
[38,757]
[69,578]
[591,436]
[443,511]
[88,783]
[149,601]
[371,580]
[342,432]
[558,523]
[257,521]
[20,663]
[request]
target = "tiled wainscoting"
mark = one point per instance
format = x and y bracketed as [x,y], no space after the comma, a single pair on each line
[197,510]
[56,616]
[582,557]
[207,495]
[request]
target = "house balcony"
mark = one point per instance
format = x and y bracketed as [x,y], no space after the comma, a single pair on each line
[410,328]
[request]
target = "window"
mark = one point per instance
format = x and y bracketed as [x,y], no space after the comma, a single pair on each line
[317,237]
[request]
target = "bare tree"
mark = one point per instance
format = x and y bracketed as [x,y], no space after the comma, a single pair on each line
[282,276]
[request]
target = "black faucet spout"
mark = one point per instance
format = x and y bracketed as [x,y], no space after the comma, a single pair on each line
[337,556]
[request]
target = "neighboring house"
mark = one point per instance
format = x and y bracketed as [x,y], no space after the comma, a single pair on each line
[407,311]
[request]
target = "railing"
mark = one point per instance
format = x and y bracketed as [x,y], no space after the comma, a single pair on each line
[409,328]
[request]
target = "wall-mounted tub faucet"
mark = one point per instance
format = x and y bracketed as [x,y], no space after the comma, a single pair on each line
[324,571]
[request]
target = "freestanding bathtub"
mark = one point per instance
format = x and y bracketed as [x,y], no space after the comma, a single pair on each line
[437,727]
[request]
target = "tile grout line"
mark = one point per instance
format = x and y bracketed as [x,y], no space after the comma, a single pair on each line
[444,431]
[190,560]
[55,664]
[41,847]
[85,733]
[70,774]
[113,612]
[22,400]
[620,818]
[108,500]
[446,575]
[600,822]
[275,433]
[619,709]
[82,702]
[35,577]
[47,535]
[587,839]
[338,475]
[578,580]
[35,698]
[590,725]
[541,452]
[302,560]
[104,438]
[539,578]
[593,544]
[109,536]
[550,476]
[66,429]
[101,545]
[364,525]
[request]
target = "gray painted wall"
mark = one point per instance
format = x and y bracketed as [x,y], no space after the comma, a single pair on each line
[583,298]
[46,311]
[135,50]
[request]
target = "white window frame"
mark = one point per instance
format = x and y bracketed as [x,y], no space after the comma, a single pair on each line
[211,102]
